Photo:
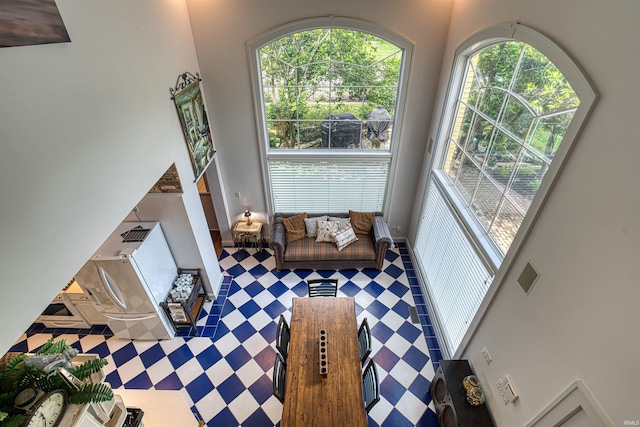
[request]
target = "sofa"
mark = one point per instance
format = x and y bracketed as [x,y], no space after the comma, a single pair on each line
[368,251]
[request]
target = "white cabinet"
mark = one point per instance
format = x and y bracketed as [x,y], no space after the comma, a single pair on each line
[61,313]
[85,306]
[72,308]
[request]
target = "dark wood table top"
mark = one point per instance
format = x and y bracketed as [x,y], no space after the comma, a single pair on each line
[337,398]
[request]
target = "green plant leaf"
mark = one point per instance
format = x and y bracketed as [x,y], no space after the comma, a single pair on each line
[13,421]
[89,367]
[91,393]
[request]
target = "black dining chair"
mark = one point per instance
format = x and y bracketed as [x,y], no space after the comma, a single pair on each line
[322,287]
[283,336]
[279,376]
[371,385]
[364,340]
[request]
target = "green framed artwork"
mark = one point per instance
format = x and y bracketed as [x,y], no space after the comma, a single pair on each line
[187,95]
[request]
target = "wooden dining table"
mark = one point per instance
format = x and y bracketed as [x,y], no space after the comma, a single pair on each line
[335,399]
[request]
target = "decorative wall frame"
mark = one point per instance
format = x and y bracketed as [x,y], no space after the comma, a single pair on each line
[187,95]
[31,22]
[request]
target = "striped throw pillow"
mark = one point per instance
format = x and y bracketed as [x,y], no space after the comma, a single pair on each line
[344,237]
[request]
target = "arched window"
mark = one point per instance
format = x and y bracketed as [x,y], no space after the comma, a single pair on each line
[328,97]
[516,102]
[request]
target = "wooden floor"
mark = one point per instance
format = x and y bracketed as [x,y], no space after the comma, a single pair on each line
[217,241]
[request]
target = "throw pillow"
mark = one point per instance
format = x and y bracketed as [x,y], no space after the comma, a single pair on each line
[325,228]
[342,222]
[312,225]
[344,237]
[361,221]
[295,227]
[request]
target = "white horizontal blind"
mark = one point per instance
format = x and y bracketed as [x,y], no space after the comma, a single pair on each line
[328,186]
[456,276]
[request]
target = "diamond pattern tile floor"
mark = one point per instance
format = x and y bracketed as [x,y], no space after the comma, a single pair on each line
[224,373]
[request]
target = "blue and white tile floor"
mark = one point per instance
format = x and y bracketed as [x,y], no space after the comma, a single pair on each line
[224,374]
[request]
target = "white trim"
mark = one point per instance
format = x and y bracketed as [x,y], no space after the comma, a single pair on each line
[574,399]
[585,92]
[437,328]
[588,97]
[253,48]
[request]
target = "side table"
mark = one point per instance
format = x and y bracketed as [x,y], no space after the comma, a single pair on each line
[185,313]
[245,232]
[450,398]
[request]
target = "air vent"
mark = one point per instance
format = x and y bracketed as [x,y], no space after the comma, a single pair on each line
[528,278]
[413,314]
[137,234]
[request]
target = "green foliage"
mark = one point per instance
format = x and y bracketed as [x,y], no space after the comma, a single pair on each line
[311,74]
[88,368]
[523,99]
[100,392]
[53,347]
[17,376]
[10,378]
[14,420]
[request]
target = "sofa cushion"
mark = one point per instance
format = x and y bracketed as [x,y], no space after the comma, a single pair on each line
[361,221]
[312,225]
[325,228]
[295,227]
[342,222]
[344,237]
[308,249]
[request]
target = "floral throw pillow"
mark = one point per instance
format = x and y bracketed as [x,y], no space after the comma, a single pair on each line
[342,222]
[325,228]
[344,237]
[312,225]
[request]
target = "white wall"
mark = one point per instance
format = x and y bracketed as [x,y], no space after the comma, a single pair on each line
[86,129]
[581,318]
[222,30]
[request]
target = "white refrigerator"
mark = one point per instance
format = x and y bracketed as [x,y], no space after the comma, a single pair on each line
[127,279]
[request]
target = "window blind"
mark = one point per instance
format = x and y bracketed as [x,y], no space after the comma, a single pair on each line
[457,278]
[328,186]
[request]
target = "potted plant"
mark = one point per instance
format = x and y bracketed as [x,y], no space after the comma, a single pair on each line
[41,371]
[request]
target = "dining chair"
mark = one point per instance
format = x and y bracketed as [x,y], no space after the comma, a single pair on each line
[322,287]
[279,375]
[364,340]
[283,336]
[370,385]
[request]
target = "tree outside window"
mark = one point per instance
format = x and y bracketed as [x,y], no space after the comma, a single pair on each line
[512,113]
[321,86]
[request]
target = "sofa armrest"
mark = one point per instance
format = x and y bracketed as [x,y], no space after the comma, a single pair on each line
[278,242]
[381,233]
[382,238]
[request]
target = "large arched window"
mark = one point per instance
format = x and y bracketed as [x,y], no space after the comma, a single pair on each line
[328,97]
[516,102]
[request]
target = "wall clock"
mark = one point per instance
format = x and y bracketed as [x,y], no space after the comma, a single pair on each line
[48,411]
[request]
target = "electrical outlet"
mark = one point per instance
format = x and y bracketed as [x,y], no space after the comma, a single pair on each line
[486,355]
[506,389]
[237,195]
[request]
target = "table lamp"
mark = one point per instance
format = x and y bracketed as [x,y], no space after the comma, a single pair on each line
[247,214]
